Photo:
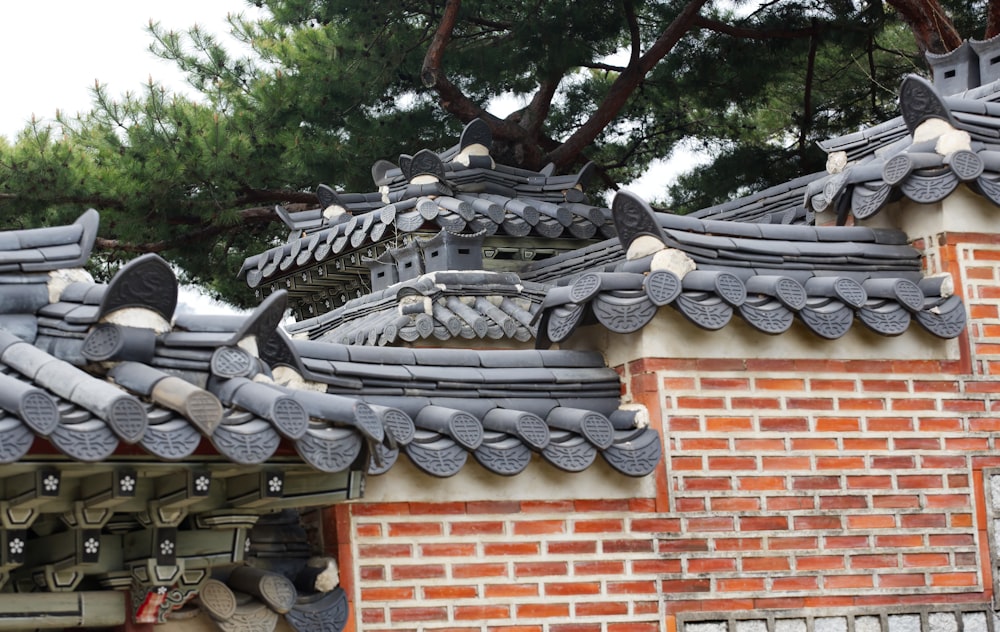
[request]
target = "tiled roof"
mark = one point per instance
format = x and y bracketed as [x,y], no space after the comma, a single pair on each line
[770,274]
[937,144]
[460,189]
[80,375]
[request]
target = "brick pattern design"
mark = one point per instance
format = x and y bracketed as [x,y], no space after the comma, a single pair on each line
[789,487]
[509,566]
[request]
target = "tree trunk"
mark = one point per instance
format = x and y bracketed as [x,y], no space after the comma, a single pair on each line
[931,26]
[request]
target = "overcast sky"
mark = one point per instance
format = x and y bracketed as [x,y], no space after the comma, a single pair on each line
[54,50]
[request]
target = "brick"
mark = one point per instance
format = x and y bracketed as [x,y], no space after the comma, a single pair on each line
[873,561]
[913,404]
[656,525]
[660,566]
[808,403]
[720,523]
[465,613]
[967,443]
[806,523]
[372,573]
[627,546]
[869,482]
[840,462]
[679,546]
[678,384]
[901,541]
[922,520]
[739,544]
[600,608]
[792,543]
[539,569]
[690,505]
[605,525]
[424,613]
[916,443]
[368,531]
[687,463]
[953,579]
[504,591]
[711,565]
[701,402]
[819,562]
[901,580]
[448,592]
[843,502]
[943,462]
[815,482]
[896,501]
[469,571]
[563,589]
[539,527]
[756,403]
[785,384]
[861,403]
[735,504]
[813,444]
[725,383]
[759,445]
[939,424]
[602,504]
[476,528]
[890,424]
[848,581]
[846,541]
[599,567]
[385,550]
[838,424]
[763,523]
[683,424]
[728,424]
[790,503]
[786,463]
[794,583]
[634,626]
[915,560]
[448,550]
[885,385]
[407,529]
[700,443]
[820,384]
[868,444]
[437,509]
[708,483]
[961,520]
[732,463]
[753,564]
[686,586]
[761,483]
[547,506]
[921,481]
[635,587]
[392,593]
[502,507]
[784,424]
[380,509]
[741,584]
[895,462]
[874,521]
[571,547]
[372,615]
[948,501]
[494,549]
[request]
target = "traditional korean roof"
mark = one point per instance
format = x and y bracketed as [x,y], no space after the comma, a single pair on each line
[770,275]
[938,143]
[96,369]
[459,190]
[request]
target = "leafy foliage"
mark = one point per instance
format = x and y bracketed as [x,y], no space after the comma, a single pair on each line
[330,86]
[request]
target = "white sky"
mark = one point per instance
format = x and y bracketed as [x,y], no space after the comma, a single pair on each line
[52,52]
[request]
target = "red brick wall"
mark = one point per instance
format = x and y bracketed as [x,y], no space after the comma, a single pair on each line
[793,484]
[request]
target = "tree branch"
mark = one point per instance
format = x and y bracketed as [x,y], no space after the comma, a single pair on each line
[931,26]
[741,32]
[453,100]
[625,85]
[205,231]
[635,38]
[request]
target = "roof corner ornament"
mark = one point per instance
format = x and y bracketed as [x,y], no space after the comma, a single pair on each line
[919,102]
[634,218]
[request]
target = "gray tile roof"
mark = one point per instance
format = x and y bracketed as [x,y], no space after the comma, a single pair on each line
[93,385]
[770,275]
[889,165]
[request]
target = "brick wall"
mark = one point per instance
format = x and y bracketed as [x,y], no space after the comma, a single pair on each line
[824,490]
